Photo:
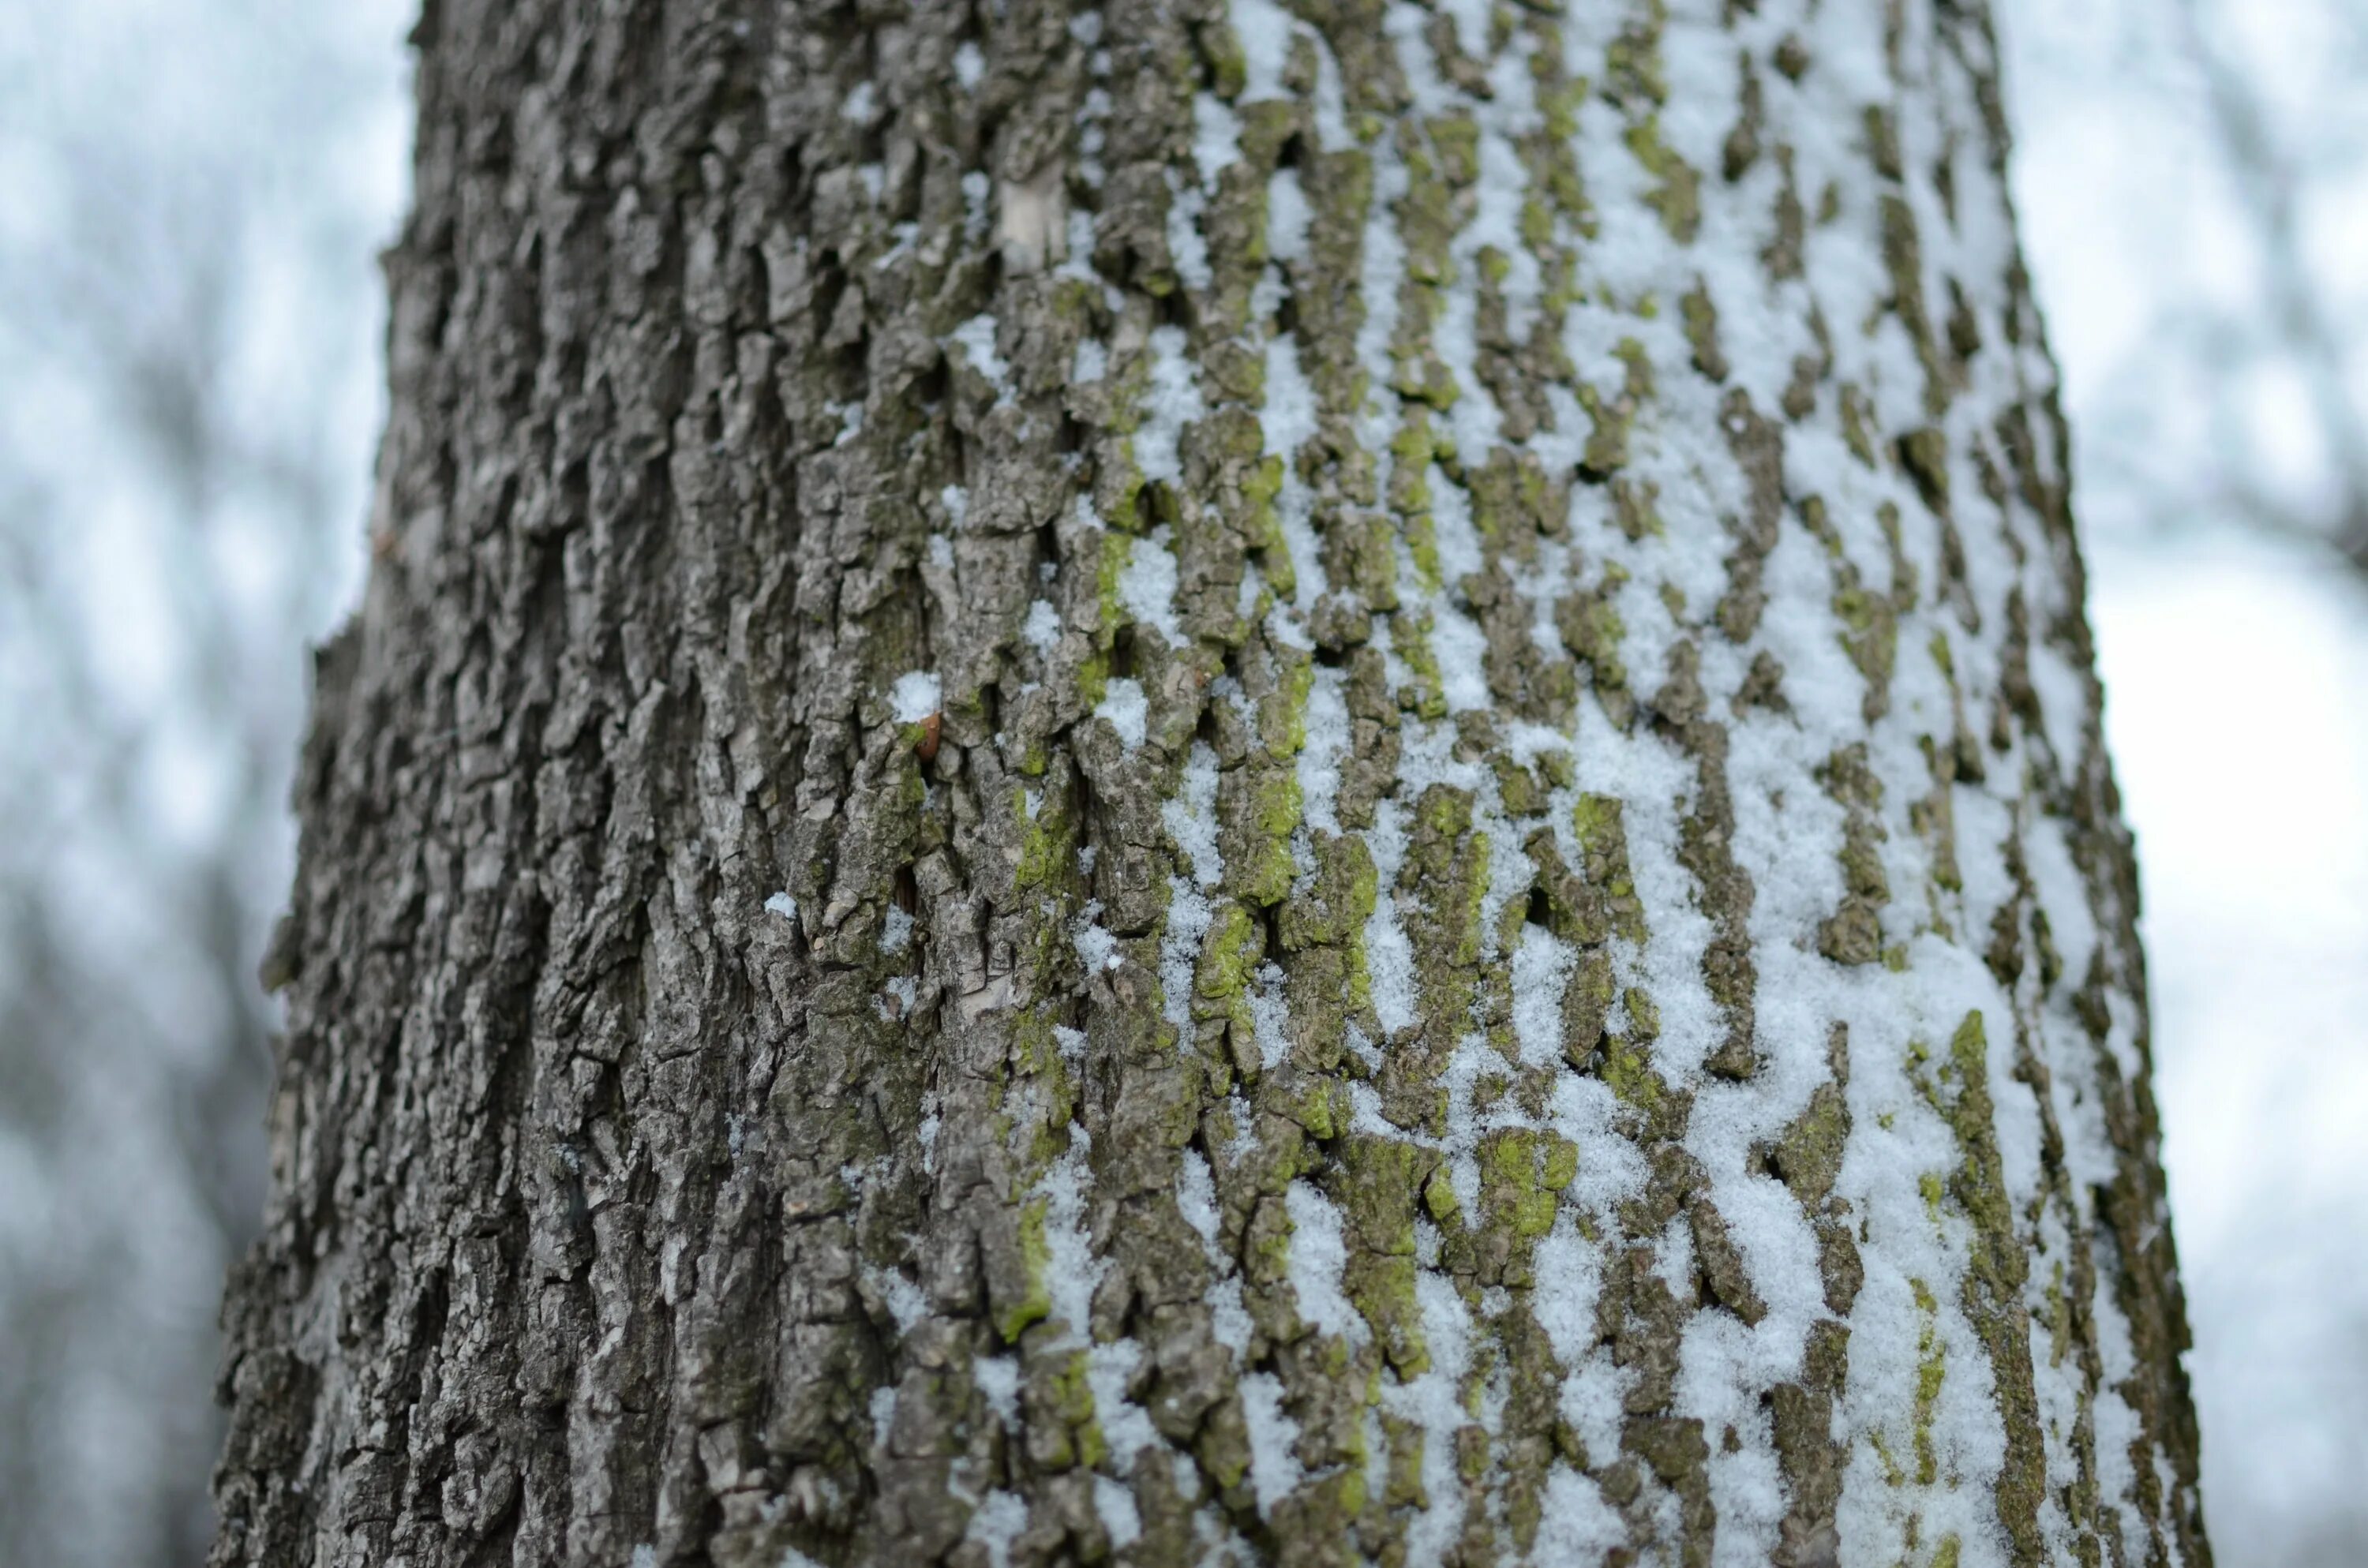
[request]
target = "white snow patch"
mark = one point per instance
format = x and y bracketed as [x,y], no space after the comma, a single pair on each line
[1543,970]
[1120,1519]
[1389,955]
[1216,137]
[1318,764]
[1191,819]
[999,1379]
[1126,1425]
[1096,948]
[1461,649]
[970,65]
[1187,247]
[1124,704]
[1196,1196]
[1170,401]
[1287,215]
[1229,1320]
[977,337]
[1146,585]
[1575,1525]
[1191,816]
[1269,1015]
[1264,28]
[1288,418]
[915,696]
[1569,1271]
[1042,629]
[976,188]
[1274,1466]
[1319,1252]
[997,1524]
[906,1303]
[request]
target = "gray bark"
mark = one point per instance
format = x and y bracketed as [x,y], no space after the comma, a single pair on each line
[1171,786]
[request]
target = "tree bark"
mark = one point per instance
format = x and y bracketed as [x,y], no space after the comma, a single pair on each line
[1184,785]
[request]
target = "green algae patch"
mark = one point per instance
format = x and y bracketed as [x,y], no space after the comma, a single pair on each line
[1592,630]
[1809,1155]
[1522,1173]
[1047,842]
[1677,196]
[1425,694]
[1258,807]
[1034,1301]
[1378,1184]
[1606,452]
[1229,951]
[1333,908]
[1853,933]
[1631,1076]
[1633,70]
[1701,318]
[1600,822]
[1443,889]
[1063,1433]
[1512,495]
[1931,1370]
[1997,1271]
[1870,636]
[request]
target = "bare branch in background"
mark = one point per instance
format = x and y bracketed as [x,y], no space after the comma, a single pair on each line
[2300,318]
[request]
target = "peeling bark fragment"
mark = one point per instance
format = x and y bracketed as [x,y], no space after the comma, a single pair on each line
[1742,148]
[1679,1460]
[1809,1156]
[1722,1266]
[1853,933]
[1993,1287]
[1726,891]
[1801,1415]
[1925,454]
[1762,686]
[1758,447]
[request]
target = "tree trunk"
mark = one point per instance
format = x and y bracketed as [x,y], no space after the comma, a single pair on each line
[1180,785]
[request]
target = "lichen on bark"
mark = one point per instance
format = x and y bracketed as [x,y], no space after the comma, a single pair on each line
[1298,782]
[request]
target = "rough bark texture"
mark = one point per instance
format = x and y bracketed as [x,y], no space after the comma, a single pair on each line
[1180,784]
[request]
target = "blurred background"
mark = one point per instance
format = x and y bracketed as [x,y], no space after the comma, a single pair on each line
[192,199]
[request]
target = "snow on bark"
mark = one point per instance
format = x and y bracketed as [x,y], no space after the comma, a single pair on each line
[1418,678]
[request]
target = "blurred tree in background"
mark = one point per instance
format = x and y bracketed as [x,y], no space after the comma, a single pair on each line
[188,200]
[2193,181]
[189,390]
[2198,170]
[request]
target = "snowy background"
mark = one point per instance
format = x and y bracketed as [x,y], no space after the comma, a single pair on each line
[190,199]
